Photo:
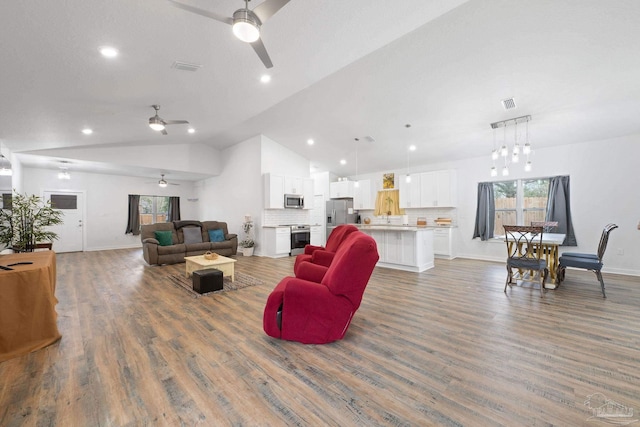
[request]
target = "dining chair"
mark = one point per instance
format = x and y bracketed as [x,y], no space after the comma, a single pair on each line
[521,242]
[547,226]
[586,261]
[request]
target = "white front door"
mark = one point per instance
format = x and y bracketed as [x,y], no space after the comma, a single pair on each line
[70,232]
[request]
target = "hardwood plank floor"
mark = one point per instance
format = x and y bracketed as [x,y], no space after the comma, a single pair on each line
[442,347]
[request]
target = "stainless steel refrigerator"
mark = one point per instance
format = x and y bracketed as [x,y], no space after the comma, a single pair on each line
[339,211]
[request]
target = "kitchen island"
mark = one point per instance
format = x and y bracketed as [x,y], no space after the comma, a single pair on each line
[406,248]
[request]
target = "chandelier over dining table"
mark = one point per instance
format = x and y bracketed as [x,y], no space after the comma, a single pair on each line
[511,156]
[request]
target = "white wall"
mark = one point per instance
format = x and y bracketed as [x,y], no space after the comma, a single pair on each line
[237,191]
[107,202]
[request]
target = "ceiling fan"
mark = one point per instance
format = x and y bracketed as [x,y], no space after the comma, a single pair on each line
[158,124]
[245,22]
[162,182]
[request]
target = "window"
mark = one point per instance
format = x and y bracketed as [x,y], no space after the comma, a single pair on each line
[153,209]
[519,202]
[6,201]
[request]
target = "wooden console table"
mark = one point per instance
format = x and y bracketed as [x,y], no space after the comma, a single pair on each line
[27,303]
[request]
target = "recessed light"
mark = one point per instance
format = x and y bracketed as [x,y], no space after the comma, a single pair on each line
[108,51]
[343,162]
[87,131]
[412,148]
[265,78]
[191,130]
[310,141]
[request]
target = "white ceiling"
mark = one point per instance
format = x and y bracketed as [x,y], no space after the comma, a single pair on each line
[342,69]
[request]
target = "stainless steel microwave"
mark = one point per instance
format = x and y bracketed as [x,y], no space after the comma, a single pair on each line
[293,201]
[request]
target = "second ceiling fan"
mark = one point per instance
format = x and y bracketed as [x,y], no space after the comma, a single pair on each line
[158,124]
[246,23]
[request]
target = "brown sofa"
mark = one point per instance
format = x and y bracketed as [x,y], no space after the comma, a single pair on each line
[154,253]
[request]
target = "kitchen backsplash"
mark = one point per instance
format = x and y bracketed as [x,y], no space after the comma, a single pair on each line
[272,217]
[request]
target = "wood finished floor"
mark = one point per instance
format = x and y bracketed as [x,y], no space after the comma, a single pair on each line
[443,347]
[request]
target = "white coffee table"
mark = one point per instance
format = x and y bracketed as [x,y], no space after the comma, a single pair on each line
[221,263]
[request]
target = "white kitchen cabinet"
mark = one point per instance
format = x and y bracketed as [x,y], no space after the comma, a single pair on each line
[293,185]
[273,191]
[408,249]
[443,243]
[438,189]
[362,195]
[341,189]
[410,192]
[316,235]
[277,241]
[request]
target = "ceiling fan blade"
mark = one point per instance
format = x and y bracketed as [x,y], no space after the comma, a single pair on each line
[197,10]
[175,122]
[258,46]
[164,132]
[268,8]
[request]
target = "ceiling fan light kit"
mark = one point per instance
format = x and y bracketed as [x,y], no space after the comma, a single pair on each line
[245,23]
[158,124]
[246,26]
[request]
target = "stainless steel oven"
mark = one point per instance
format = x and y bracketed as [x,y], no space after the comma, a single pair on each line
[300,237]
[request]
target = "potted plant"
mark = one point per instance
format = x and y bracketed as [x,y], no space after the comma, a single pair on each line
[26,222]
[247,244]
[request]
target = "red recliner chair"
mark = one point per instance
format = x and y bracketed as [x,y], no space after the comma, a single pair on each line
[324,255]
[317,313]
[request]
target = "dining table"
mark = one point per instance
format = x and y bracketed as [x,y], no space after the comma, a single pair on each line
[549,246]
[28,318]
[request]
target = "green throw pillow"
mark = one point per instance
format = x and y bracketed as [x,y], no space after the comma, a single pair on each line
[164,238]
[216,235]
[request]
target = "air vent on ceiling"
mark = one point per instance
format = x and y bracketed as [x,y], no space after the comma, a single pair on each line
[509,104]
[185,66]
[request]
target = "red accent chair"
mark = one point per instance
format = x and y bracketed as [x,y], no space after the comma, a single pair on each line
[317,313]
[324,255]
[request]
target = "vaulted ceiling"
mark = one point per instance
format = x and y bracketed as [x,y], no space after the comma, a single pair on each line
[342,70]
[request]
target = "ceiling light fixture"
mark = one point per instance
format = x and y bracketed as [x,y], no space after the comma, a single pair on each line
[310,141]
[64,172]
[343,162]
[265,78]
[87,131]
[246,25]
[155,123]
[356,184]
[162,183]
[504,150]
[411,148]
[108,51]
[191,130]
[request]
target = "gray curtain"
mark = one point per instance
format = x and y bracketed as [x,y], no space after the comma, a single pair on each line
[486,211]
[174,209]
[559,208]
[133,223]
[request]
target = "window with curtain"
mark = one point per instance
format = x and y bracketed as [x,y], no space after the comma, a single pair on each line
[388,203]
[522,201]
[519,202]
[154,209]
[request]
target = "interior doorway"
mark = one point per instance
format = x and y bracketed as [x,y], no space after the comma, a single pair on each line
[71,231]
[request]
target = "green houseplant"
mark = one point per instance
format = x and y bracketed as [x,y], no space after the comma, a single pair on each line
[25,224]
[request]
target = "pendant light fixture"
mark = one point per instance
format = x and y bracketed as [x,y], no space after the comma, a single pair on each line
[516,149]
[357,183]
